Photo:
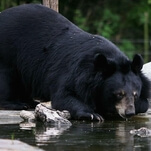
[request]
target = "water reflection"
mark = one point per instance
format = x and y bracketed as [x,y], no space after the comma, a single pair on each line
[46,134]
[27,125]
[110,136]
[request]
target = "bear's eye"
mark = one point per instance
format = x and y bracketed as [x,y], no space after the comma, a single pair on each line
[135,95]
[120,95]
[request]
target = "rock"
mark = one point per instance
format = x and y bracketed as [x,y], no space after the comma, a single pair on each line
[142,132]
[51,116]
[46,114]
[10,117]
[26,115]
[147,70]
[15,145]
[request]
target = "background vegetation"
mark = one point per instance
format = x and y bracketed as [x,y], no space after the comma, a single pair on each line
[127,23]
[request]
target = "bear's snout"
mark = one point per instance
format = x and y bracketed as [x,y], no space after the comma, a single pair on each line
[126,107]
[130,111]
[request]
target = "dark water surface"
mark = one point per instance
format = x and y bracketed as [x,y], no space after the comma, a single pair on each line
[107,136]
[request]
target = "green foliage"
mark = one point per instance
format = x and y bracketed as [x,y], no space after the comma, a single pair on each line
[149,1]
[6,4]
[108,25]
[80,20]
[127,47]
[10,3]
[12,136]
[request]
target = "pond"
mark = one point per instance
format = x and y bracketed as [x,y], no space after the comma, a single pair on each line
[107,136]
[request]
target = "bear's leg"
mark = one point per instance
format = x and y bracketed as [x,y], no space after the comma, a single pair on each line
[11,91]
[77,109]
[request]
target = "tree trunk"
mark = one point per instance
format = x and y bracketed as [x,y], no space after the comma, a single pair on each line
[53,4]
[146,37]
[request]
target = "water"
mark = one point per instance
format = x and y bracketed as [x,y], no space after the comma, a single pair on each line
[107,136]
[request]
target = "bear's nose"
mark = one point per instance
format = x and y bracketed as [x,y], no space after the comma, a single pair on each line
[129,113]
[130,110]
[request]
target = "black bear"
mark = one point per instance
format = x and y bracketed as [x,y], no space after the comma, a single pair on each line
[44,56]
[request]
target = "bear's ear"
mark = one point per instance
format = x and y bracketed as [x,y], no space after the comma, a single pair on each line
[102,64]
[137,63]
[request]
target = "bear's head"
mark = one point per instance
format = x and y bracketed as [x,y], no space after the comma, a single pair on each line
[121,86]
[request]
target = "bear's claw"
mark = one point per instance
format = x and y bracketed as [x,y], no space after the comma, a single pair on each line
[89,116]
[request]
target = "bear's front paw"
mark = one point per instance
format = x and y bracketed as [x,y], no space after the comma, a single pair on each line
[89,116]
